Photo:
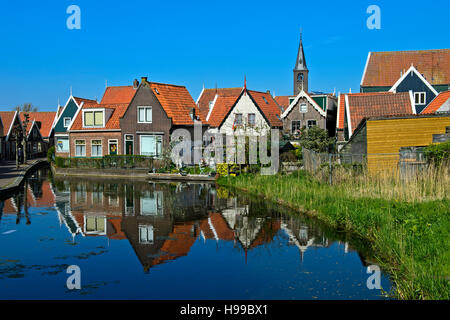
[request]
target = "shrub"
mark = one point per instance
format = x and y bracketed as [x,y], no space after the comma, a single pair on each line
[60,162]
[438,153]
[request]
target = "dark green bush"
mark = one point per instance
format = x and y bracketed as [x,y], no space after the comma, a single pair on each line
[60,162]
[438,153]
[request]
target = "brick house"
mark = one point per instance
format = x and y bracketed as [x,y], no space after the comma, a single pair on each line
[156,110]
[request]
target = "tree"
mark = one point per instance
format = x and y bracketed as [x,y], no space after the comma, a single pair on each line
[25,109]
[316,139]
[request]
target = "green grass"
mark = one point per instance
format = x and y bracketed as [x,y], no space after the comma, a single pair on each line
[410,239]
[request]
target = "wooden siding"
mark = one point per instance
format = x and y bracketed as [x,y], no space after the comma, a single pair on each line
[386,137]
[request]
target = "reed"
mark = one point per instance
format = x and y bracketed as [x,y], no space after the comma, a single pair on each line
[406,222]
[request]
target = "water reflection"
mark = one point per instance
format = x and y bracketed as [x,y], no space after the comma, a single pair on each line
[163,221]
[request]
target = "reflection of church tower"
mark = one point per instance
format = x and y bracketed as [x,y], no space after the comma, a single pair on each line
[300,71]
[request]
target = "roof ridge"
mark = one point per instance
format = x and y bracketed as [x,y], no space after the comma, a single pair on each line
[401,51]
[167,84]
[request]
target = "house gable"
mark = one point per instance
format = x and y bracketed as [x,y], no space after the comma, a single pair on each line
[69,111]
[244,105]
[413,81]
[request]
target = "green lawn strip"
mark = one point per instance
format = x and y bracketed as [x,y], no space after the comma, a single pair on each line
[410,240]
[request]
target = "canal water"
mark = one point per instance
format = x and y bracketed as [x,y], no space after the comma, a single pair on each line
[141,240]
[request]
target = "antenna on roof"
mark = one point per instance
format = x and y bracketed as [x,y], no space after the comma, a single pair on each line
[301,33]
[334,92]
[70,90]
[106,83]
[350,91]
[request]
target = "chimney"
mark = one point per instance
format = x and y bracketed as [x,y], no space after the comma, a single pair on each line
[192,113]
[144,79]
[135,83]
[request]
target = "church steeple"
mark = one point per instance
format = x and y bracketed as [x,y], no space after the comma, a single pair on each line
[300,70]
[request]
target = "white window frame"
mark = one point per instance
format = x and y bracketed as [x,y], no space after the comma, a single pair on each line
[420,94]
[145,108]
[149,229]
[97,219]
[75,143]
[300,107]
[156,144]
[94,110]
[64,121]
[101,148]
[292,122]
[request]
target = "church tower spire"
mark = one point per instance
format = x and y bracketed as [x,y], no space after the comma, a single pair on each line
[300,70]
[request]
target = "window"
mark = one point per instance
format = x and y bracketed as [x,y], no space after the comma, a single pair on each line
[96,148]
[251,119]
[80,148]
[312,123]
[145,114]
[238,119]
[303,108]
[145,234]
[62,144]
[93,118]
[151,145]
[420,98]
[113,146]
[295,125]
[265,100]
[95,225]
[39,147]
[67,122]
[152,203]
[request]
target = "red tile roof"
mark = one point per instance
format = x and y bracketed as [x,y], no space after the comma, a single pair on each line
[263,100]
[283,101]
[7,119]
[341,106]
[118,95]
[221,108]
[45,118]
[208,95]
[442,98]
[268,106]
[362,105]
[81,100]
[384,68]
[111,124]
[177,102]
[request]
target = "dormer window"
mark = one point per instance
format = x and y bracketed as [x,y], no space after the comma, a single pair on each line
[93,118]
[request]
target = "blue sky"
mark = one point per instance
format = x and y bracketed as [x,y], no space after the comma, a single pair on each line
[200,42]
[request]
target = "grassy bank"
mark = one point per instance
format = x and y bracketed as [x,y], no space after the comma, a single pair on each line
[410,235]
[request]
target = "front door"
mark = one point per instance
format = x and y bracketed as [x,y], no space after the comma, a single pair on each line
[129,145]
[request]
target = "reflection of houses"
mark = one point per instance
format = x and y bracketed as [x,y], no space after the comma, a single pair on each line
[97,209]
[303,236]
